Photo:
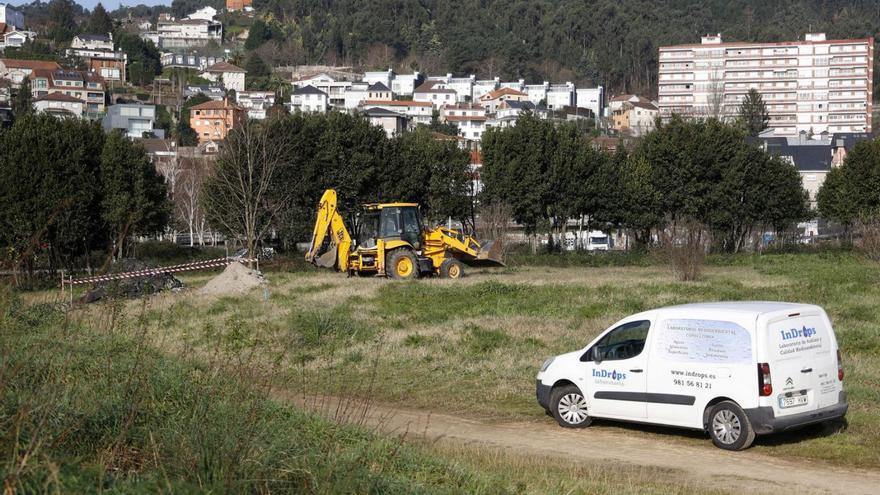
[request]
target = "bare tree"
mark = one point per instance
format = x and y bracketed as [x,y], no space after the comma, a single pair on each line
[169,168]
[493,223]
[685,244]
[238,196]
[715,98]
[187,200]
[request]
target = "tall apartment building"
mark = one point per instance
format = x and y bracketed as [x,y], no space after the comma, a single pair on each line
[813,85]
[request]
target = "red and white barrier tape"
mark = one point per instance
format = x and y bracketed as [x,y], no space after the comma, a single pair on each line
[195,265]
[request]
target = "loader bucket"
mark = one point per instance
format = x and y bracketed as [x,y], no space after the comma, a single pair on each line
[489,255]
[327,259]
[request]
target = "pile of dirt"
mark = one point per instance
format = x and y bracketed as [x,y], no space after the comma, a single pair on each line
[236,279]
[131,287]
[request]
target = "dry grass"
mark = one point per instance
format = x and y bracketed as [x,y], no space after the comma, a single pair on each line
[473,346]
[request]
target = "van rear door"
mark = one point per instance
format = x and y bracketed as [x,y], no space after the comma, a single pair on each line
[801,351]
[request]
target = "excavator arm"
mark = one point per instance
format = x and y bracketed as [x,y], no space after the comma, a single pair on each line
[331,244]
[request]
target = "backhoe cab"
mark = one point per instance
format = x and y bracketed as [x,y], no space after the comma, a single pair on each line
[392,240]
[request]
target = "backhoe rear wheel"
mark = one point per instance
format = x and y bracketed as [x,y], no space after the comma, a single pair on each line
[451,268]
[401,264]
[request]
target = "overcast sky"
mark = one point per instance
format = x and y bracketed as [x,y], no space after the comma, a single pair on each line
[108,4]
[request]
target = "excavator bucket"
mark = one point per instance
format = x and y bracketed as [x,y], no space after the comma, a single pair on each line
[328,258]
[489,255]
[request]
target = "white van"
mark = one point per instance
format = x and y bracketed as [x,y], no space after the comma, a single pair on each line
[732,369]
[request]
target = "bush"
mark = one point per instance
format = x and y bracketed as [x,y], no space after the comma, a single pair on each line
[867,238]
[684,245]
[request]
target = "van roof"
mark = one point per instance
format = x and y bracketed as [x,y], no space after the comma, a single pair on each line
[751,307]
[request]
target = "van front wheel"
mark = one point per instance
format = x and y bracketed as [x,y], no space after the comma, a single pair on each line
[729,427]
[569,407]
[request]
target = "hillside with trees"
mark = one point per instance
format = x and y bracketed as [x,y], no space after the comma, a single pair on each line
[607,42]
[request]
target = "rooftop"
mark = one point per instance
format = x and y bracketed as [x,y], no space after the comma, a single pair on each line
[377,86]
[308,90]
[216,105]
[93,37]
[714,41]
[398,103]
[502,92]
[225,67]
[382,112]
[56,96]
[29,64]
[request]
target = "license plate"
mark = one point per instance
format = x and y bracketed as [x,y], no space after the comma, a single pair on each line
[797,400]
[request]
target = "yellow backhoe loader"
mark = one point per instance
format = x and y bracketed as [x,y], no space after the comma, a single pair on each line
[392,241]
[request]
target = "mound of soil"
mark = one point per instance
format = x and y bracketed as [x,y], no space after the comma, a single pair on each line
[131,287]
[236,279]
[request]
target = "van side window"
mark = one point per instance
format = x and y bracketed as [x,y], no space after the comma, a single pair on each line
[625,341]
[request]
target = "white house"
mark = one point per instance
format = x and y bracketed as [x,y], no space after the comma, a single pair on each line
[391,122]
[517,85]
[378,91]
[133,118]
[256,103]
[509,111]
[419,112]
[59,105]
[592,98]
[405,84]
[560,95]
[491,100]
[96,50]
[334,88]
[15,39]
[383,76]
[484,86]
[469,117]
[354,95]
[93,41]
[230,76]
[11,17]
[436,93]
[309,99]
[463,86]
[537,92]
[185,33]
[15,71]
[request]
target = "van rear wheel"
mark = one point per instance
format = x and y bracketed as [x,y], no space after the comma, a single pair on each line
[569,406]
[729,427]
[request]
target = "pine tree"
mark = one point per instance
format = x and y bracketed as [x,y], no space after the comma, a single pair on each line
[753,114]
[23,102]
[100,21]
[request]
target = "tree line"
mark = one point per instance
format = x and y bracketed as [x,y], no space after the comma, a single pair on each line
[71,189]
[686,170]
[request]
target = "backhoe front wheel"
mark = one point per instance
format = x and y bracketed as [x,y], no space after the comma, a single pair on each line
[401,264]
[451,268]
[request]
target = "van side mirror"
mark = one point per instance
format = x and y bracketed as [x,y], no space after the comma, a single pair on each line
[596,354]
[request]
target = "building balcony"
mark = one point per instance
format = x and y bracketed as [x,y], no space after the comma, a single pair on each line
[676,55]
[844,119]
[844,61]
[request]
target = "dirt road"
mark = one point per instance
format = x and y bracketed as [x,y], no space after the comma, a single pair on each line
[703,466]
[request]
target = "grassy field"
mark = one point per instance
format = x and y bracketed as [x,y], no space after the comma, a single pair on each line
[88,404]
[473,346]
[174,392]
